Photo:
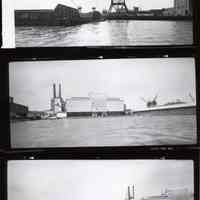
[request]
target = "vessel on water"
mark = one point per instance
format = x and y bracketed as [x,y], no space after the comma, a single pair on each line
[173,107]
[176,194]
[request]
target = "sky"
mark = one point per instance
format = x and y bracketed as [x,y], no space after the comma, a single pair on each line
[129,79]
[88,4]
[76,179]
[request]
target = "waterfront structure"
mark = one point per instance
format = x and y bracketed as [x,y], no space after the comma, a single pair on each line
[182,194]
[62,15]
[34,17]
[115,105]
[66,15]
[98,105]
[169,12]
[17,110]
[118,6]
[78,106]
[57,102]
[183,7]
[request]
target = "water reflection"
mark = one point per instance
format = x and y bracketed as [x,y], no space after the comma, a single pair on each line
[121,32]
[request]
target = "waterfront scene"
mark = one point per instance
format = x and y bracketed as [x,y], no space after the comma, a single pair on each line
[66,103]
[119,179]
[110,23]
[107,131]
[107,33]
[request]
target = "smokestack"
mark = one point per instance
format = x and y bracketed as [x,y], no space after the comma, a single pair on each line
[54,90]
[131,197]
[129,193]
[59,90]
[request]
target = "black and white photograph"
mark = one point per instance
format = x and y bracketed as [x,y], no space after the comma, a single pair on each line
[117,180]
[102,102]
[55,23]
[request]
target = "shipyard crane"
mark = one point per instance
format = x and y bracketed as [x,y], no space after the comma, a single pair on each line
[150,103]
[192,98]
[118,6]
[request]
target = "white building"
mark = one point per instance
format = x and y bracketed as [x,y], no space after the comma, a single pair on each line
[78,105]
[88,106]
[115,105]
[183,7]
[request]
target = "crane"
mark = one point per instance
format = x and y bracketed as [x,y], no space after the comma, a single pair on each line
[151,103]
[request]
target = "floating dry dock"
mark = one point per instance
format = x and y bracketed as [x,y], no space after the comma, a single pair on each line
[187,109]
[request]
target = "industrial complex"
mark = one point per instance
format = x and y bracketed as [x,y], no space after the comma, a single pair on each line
[93,105]
[64,15]
[97,105]
[60,16]
[17,110]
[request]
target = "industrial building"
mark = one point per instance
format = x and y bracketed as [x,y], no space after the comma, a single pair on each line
[183,7]
[34,17]
[87,106]
[17,110]
[93,105]
[57,102]
[115,106]
[78,106]
[61,15]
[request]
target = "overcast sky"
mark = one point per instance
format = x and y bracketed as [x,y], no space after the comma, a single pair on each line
[88,4]
[88,180]
[129,79]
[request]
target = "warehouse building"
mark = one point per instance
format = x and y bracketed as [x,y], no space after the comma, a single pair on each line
[78,106]
[17,110]
[87,106]
[34,17]
[115,106]
[61,15]
[66,15]
[183,7]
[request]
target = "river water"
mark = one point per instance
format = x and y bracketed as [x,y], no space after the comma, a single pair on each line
[113,33]
[108,131]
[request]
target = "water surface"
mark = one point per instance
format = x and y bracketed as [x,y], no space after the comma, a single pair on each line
[108,131]
[113,33]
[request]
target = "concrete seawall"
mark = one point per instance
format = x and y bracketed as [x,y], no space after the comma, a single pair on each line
[156,18]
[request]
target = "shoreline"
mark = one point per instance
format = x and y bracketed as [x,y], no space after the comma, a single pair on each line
[150,18]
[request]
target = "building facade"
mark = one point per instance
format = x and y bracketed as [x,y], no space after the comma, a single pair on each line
[115,105]
[17,110]
[34,17]
[183,7]
[169,12]
[66,15]
[61,15]
[76,106]
[90,106]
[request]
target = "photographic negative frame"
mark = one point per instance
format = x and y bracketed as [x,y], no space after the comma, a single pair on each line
[115,55]
[194,35]
[109,160]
